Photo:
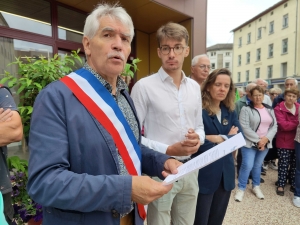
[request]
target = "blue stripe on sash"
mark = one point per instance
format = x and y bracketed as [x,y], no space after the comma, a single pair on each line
[106,96]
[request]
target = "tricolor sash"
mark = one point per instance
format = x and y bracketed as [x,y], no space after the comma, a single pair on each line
[99,102]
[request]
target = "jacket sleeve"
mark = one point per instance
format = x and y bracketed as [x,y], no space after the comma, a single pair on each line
[282,122]
[273,130]
[245,124]
[52,181]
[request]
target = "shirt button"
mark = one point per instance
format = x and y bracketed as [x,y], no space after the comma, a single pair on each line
[115,214]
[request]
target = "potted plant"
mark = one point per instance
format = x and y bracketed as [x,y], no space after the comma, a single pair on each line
[33,75]
[26,210]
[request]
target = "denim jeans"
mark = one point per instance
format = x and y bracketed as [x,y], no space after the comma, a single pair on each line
[297,175]
[252,161]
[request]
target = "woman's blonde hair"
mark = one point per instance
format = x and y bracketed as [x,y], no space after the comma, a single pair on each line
[206,97]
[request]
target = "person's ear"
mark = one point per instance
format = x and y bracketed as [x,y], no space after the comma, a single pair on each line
[86,45]
[186,51]
[159,53]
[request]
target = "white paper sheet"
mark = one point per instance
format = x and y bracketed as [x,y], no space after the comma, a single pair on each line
[207,157]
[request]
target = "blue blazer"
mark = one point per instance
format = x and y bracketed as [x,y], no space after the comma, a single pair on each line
[73,163]
[209,177]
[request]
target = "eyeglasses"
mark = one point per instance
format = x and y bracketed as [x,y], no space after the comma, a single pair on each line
[178,49]
[202,67]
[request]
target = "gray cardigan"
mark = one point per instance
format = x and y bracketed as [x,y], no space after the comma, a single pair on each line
[250,121]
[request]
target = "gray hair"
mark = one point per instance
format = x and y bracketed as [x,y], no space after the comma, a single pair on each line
[255,81]
[278,90]
[197,57]
[291,78]
[250,86]
[114,11]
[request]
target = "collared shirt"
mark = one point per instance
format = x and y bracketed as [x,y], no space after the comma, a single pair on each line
[125,108]
[166,111]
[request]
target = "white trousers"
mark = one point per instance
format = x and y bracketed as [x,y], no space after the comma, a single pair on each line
[178,206]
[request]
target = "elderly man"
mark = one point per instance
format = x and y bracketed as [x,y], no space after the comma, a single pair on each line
[289,82]
[200,68]
[85,167]
[169,106]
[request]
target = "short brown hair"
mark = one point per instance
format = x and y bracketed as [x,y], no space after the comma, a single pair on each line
[294,91]
[206,97]
[258,88]
[172,31]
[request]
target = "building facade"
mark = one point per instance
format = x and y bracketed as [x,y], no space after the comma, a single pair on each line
[267,46]
[33,28]
[220,56]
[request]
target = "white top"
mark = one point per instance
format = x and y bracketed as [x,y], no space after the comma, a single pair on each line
[167,112]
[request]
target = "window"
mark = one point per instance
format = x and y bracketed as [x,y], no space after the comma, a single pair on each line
[270,71]
[212,53]
[249,38]
[258,54]
[271,13]
[247,75]
[212,66]
[271,27]
[270,51]
[284,69]
[248,58]
[239,60]
[240,41]
[259,33]
[249,25]
[285,21]
[239,76]
[284,46]
[285,5]
[259,19]
[257,72]
[227,53]
[227,64]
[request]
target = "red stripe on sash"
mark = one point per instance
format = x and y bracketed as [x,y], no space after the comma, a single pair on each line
[103,120]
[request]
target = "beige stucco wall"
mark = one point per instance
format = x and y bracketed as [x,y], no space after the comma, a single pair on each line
[263,43]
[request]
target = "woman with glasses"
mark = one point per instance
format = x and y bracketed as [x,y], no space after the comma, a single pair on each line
[286,113]
[274,92]
[259,126]
[217,180]
[270,159]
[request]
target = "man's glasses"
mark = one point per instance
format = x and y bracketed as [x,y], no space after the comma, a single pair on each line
[165,49]
[202,67]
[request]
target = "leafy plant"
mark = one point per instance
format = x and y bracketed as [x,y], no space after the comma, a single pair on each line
[25,208]
[127,70]
[33,75]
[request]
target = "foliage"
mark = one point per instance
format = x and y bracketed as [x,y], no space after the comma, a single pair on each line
[25,208]
[33,75]
[127,70]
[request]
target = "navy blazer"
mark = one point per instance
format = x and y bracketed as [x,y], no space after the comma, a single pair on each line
[73,164]
[209,177]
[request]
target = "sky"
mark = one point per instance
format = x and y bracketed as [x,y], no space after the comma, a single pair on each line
[225,15]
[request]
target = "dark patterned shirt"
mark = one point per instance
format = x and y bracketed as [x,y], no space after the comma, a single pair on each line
[125,108]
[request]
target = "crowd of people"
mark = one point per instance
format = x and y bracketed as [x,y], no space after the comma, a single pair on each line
[93,166]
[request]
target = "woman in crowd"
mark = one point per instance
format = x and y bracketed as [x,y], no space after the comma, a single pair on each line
[270,159]
[259,126]
[220,122]
[286,113]
[274,92]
